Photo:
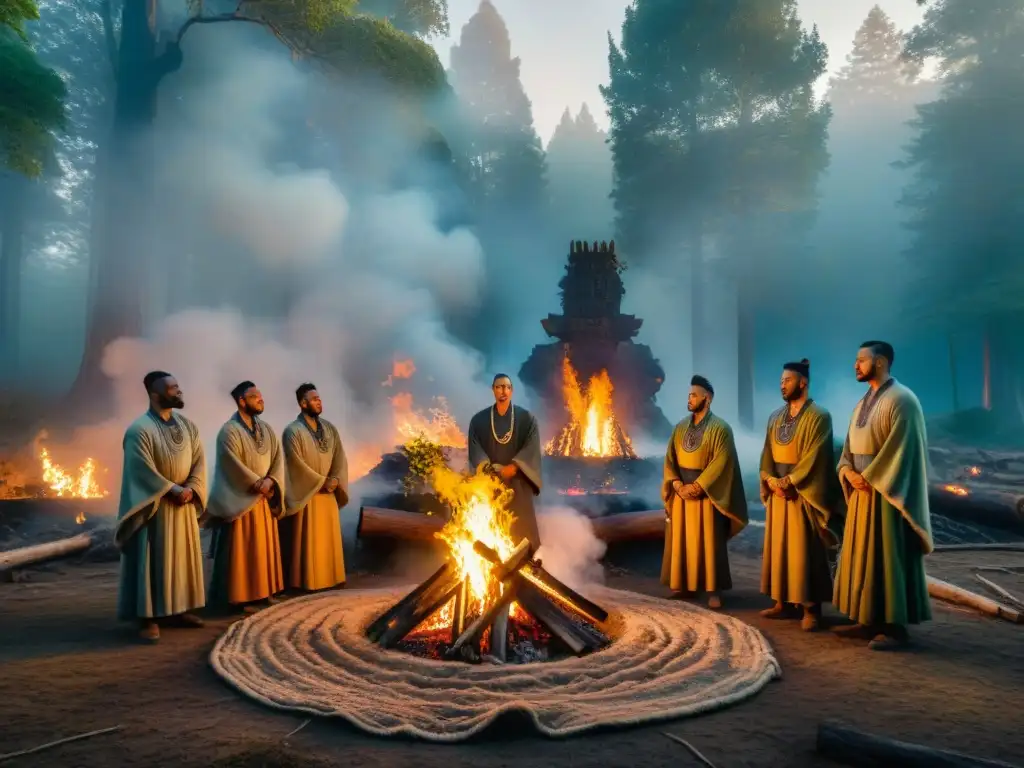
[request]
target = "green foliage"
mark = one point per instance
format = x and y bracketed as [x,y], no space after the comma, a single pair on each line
[415,17]
[14,14]
[424,457]
[966,200]
[31,106]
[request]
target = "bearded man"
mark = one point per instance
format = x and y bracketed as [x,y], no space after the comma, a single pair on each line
[505,438]
[703,495]
[316,488]
[802,500]
[245,503]
[880,579]
[163,492]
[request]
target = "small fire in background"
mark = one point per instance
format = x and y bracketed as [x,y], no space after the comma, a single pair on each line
[593,430]
[973,471]
[434,423]
[956,490]
[64,484]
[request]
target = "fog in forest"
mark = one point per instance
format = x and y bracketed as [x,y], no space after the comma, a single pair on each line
[287,218]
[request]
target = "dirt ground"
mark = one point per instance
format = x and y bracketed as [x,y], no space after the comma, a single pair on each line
[66,668]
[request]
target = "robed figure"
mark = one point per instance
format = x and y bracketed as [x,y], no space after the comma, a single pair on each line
[803,503]
[246,501]
[880,579]
[316,488]
[505,437]
[163,492]
[704,500]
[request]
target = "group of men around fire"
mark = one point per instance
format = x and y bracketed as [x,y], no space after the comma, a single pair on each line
[274,504]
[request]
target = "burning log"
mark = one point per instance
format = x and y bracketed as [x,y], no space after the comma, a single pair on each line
[630,526]
[24,556]
[377,628]
[380,522]
[418,610]
[850,747]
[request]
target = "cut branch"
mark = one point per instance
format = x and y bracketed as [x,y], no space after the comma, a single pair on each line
[19,558]
[953,594]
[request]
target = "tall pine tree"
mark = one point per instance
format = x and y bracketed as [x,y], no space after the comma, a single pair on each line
[580,174]
[966,199]
[505,152]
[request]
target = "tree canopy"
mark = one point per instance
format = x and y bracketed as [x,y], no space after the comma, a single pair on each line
[31,95]
[876,71]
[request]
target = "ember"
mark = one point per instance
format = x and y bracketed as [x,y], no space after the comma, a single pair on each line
[592,429]
[489,596]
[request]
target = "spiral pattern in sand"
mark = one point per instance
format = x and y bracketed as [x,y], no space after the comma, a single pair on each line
[668,660]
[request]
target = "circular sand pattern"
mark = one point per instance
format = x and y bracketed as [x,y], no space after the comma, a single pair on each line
[668,660]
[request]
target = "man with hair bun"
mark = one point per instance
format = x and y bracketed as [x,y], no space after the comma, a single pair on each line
[704,500]
[880,579]
[803,502]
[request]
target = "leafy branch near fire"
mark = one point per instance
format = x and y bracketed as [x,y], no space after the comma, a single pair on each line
[424,456]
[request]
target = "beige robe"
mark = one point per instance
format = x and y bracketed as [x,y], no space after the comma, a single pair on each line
[880,577]
[800,529]
[161,555]
[247,548]
[311,533]
[696,558]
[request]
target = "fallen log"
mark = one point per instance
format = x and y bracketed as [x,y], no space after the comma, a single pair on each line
[1006,546]
[384,523]
[630,526]
[975,503]
[25,556]
[851,747]
[951,593]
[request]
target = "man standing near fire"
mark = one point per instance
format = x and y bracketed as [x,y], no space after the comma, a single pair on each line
[245,503]
[163,492]
[704,500]
[802,500]
[504,438]
[880,580]
[316,488]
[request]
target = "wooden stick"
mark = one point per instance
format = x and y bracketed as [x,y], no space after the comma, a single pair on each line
[693,750]
[459,612]
[23,556]
[57,743]
[943,590]
[376,629]
[474,630]
[850,747]
[431,601]
[1008,596]
[1006,546]
[499,635]
[302,725]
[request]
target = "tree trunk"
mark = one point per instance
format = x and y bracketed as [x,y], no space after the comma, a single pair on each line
[12,229]
[124,192]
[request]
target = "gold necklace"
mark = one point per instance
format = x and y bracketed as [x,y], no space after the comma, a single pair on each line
[507,437]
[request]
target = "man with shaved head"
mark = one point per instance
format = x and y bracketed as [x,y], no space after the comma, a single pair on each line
[163,492]
[505,439]
[703,495]
[880,579]
[246,502]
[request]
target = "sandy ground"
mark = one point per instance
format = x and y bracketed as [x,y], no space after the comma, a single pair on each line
[66,667]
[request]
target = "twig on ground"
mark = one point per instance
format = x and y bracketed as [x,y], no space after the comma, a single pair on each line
[693,750]
[301,726]
[57,743]
[1003,593]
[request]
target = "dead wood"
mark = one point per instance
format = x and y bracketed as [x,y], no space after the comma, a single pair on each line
[38,553]
[851,747]
[943,590]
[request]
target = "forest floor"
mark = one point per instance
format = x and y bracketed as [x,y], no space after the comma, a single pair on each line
[66,667]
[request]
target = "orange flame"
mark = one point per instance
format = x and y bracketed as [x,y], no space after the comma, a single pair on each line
[956,490]
[593,429]
[66,485]
[400,369]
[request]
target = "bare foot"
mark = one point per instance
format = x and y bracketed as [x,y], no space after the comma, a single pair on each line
[810,622]
[778,611]
[714,602]
[887,643]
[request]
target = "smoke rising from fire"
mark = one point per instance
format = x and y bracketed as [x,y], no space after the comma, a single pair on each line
[373,274]
[571,552]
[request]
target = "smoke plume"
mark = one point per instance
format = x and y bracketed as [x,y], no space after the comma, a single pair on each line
[571,551]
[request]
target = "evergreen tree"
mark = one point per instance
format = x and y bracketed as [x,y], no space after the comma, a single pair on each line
[876,72]
[966,198]
[505,153]
[580,172]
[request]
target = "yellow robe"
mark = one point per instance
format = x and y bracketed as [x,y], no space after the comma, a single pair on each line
[161,555]
[880,578]
[247,548]
[696,558]
[311,533]
[799,530]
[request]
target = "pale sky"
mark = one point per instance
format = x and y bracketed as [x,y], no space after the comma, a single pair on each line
[564,51]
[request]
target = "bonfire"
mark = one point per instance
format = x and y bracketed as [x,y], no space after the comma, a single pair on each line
[592,429]
[491,595]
